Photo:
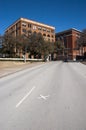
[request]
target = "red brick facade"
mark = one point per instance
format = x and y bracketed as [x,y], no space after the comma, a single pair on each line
[27,27]
[69,39]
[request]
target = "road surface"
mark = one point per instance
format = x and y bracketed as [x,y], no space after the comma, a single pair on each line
[51,96]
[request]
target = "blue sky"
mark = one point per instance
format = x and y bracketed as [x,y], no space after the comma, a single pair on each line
[62,14]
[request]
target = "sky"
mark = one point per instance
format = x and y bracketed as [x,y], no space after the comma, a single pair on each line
[62,14]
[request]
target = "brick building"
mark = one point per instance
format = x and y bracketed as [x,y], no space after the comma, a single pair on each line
[69,40]
[27,27]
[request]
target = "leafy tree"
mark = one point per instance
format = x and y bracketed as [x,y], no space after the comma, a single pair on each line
[1,41]
[9,44]
[33,44]
[49,48]
[36,44]
[22,44]
[13,46]
[39,47]
[59,47]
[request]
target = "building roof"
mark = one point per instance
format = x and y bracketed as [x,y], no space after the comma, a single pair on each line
[71,29]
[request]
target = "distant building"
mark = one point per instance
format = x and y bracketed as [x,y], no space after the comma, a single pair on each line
[69,40]
[27,27]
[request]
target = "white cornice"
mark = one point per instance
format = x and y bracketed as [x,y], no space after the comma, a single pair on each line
[30,21]
[37,23]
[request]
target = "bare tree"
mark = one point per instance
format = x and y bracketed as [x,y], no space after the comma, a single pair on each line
[82,39]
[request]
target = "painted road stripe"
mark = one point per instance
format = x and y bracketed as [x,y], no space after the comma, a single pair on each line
[22,100]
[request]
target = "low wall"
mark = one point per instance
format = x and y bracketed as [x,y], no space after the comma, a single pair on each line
[20,59]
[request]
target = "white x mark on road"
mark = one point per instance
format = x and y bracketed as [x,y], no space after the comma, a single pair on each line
[43,97]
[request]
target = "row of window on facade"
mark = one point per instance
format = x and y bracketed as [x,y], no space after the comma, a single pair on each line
[30,32]
[46,37]
[62,37]
[34,27]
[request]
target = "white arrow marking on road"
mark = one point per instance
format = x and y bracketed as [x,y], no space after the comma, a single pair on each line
[43,97]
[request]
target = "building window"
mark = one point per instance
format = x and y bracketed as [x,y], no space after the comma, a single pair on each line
[52,31]
[48,30]
[39,28]
[24,30]
[40,34]
[48,35]
[29,32]
[77,35]
[29,25]
[34,32]
[52,36]
[44,29]
[49,39]
[34,27]
[16,32]
[17,25]
[44,35]
[24,24]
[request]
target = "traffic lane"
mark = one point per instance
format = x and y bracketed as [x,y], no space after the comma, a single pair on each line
[64,108]
[74,93]
[7,104]
[79,68]
[18,80]
[14,83]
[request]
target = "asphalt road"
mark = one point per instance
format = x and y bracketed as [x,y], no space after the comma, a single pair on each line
[51,96]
